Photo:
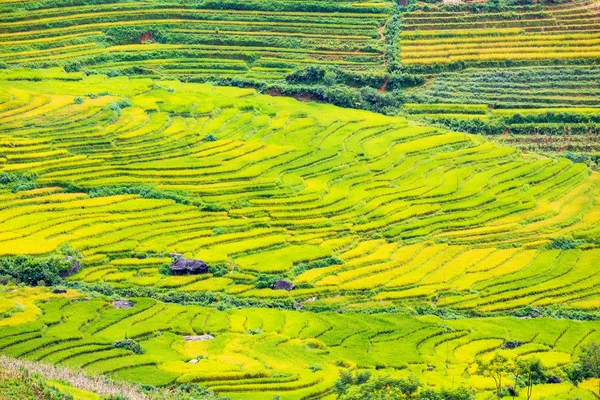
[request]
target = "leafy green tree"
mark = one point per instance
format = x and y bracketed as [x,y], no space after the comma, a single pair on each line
[460,393]
[362,386]
[574,373]
[379,388]
[532,371]
[590,361]
[409,386]
[496,368]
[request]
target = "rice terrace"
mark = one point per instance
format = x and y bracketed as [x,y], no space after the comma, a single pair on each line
[299,199]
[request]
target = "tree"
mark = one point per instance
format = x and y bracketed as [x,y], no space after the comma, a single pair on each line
[496,368]
[362,387]
[574,373]
[590,361]
[460,393]
[409,386]
[379,388]
[532,371]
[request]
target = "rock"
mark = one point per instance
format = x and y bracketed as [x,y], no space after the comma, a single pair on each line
[511,391]
[122,304]
[59,291]
[554,379]
[283,284]
[199,338]
[193,361]
[430,369]
[184,266]
[75,267]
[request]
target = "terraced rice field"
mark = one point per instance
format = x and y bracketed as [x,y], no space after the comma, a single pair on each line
[259,353]
[207,39]
[420,214]
[533,66]
[565,31]
[413,249]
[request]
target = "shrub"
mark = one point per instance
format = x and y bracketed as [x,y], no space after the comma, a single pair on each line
[78,100]
[118,106]
[129,344]
[18,181]
[564,243]
[460,393]
[218,269]
[264,281]
[31,271]
[322,263]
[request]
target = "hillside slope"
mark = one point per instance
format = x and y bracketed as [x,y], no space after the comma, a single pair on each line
[336,200]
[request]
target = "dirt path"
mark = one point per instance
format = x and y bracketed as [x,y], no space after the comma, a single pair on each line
[380,30]
[384,86]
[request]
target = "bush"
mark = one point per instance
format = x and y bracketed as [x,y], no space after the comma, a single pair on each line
[564,243]
[118,106]
[264,281]
[143,191]
[129,344]
[18,181]
[460,393]
[218,269]
[322,263]
[315,368]
[33,272]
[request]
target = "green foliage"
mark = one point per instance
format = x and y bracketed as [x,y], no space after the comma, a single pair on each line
[185,391]
[78,100]
[363,386]
[564,243]
[118,106]
[321,263]
[23,385]
[143,191]
[127,34]
[590,361]
[218,269]
[18,181]
[33,271]
[496,368]
[531,371]
[264,281]
[575,373]
[129,344]
[212,207]
[459,393]
[353,386]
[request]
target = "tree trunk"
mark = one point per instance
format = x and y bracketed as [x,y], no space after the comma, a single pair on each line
[499,387]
